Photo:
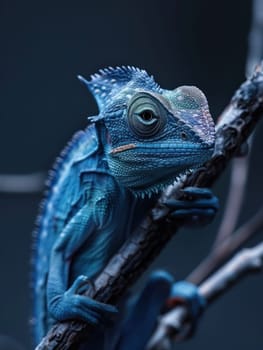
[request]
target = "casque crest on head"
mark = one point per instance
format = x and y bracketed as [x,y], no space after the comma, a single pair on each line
[190,105]
[109,82]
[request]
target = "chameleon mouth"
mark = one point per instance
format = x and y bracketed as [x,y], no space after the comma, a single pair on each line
[123,148]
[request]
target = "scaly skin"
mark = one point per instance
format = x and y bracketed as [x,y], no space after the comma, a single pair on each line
[104,183]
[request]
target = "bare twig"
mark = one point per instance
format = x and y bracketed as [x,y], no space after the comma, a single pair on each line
[173,322]
[27,183]
[136,254]
[255,42]
[239,171]
[244,261]
[235,198]
[227,248]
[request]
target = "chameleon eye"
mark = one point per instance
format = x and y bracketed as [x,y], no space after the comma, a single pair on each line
[184,136]
[145,116]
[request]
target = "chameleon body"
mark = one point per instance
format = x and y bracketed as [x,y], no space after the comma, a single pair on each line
[105,181]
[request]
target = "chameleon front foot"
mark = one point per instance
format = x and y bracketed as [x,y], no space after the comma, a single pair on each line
[71,305]
[197,207]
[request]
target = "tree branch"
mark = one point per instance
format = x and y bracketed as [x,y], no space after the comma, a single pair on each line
[226,241]
[255,42]
[237,122]
[239,171]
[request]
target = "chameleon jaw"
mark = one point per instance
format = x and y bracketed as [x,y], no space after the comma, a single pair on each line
[123,148]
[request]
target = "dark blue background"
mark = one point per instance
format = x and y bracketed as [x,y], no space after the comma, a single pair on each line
[43,47]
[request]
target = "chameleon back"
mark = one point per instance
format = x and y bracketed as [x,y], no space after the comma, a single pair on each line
[82,149]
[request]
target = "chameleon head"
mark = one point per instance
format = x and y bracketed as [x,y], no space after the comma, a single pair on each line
[153,135]
[160,136]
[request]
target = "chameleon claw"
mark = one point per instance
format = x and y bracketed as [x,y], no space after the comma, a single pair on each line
[197,192]
[81,285]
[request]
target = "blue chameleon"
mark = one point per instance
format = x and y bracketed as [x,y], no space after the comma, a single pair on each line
[102,186]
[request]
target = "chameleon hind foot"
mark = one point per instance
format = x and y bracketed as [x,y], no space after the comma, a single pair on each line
[143,310]
[72,305]
[187,294]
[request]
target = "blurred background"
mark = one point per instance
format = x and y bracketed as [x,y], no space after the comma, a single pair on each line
[44,45]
